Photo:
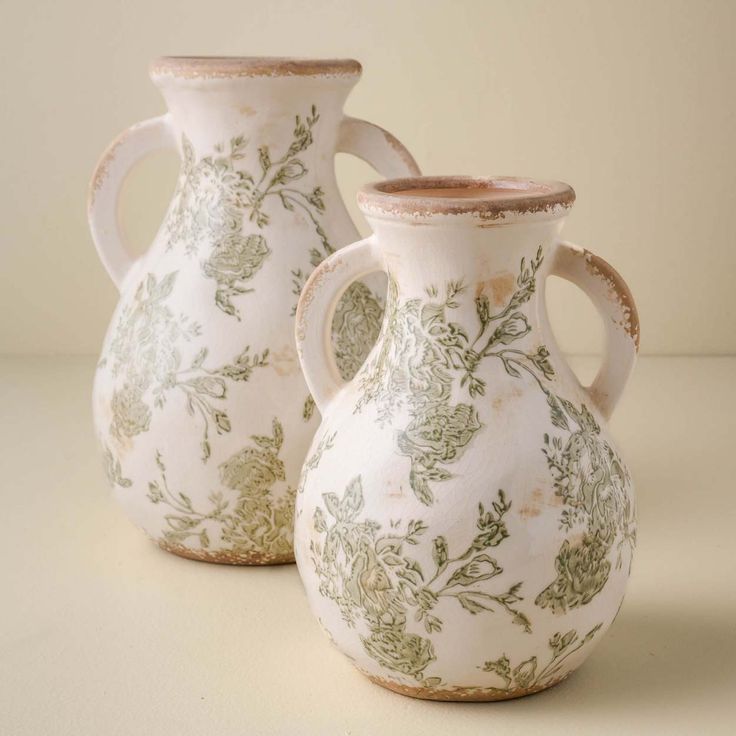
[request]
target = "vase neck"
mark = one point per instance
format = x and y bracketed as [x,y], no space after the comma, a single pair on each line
[262,111]
[426,260]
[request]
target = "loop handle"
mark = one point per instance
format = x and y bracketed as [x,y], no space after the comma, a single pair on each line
[609,293]
[377,147]
[121,155]
[316,310]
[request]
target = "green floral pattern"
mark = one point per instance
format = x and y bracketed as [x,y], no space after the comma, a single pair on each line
[425,358]
[355,328]
[145,357]
[248,518]
[113,470]
[530,674]
[369,573]
[594,486]
[216,197]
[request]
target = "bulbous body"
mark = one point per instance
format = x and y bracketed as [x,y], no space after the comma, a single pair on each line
[199,402]
[465,524]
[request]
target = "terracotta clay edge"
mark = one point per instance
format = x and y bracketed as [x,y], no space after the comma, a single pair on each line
[619,293]
[102,169]
[551,197]
[225,557]
[232,67]
[307,296]
[460,694]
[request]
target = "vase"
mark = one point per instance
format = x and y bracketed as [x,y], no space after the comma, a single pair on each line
[465,523]
[201,410]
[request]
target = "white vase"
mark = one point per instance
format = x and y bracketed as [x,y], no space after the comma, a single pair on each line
[200,406]
[465,524]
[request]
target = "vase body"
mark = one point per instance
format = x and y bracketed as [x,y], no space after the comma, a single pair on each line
[465,523]
[200,406]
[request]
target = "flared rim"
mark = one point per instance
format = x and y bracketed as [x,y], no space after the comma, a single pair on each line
[512,196]
[228,67]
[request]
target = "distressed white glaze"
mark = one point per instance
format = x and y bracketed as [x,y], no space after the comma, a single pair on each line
[465,525]
[199,402]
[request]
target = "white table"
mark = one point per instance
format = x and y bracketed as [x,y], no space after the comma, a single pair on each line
[101,633]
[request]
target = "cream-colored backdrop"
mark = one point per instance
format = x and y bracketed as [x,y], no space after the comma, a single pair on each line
[631,102]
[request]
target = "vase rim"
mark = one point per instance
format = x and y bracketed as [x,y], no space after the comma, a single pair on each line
[229,67]
[510,196]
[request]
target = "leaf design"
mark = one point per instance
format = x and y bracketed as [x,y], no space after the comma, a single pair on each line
[376,583]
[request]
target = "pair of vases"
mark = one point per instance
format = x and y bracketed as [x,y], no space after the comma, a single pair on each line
[461,519]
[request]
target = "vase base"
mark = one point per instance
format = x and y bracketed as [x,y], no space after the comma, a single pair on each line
[226,556]
[461,694]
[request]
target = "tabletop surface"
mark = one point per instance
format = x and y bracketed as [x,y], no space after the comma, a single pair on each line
[103,633]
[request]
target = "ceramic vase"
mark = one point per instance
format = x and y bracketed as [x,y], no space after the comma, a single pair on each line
[465,523]
[201,409]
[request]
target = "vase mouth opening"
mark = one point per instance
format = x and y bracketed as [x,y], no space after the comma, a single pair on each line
[234,67]
[499,199]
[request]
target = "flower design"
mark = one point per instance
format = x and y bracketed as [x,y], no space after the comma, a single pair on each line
[252,471]
[595,489]
[425,358]
[529,675]
[439,434]
[355,328]
[130,415]
[582,571]
[376,584]
[258,522]
[235,259]
[407,654]
[217,197]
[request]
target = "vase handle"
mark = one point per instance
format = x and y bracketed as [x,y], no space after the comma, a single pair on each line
[121,155]
[377,147]
[610,295]
[316,310]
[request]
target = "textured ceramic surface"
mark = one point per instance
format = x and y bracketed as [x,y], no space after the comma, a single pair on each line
[465,524]
[200,406]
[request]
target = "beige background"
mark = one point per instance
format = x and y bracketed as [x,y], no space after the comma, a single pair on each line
[631,102]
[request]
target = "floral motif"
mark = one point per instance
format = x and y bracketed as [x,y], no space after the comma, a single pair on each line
[369,575]
[425,358]
[113,470]
[355,328]
[235,259]
[325,443]
[251,523]
[130,415]
[146,352]
[582,571]
[595,488]
[528,675]
[216,194]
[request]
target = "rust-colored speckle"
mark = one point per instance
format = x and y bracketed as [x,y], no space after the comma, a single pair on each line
[307,295]
[525,197]
[233,67]
[460,694]
[498,289]
[618,293]
[502,399]
[103,169]
[284,361]
[532,506]
[226,557]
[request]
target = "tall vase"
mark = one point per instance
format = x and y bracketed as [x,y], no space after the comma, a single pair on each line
[201,409]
